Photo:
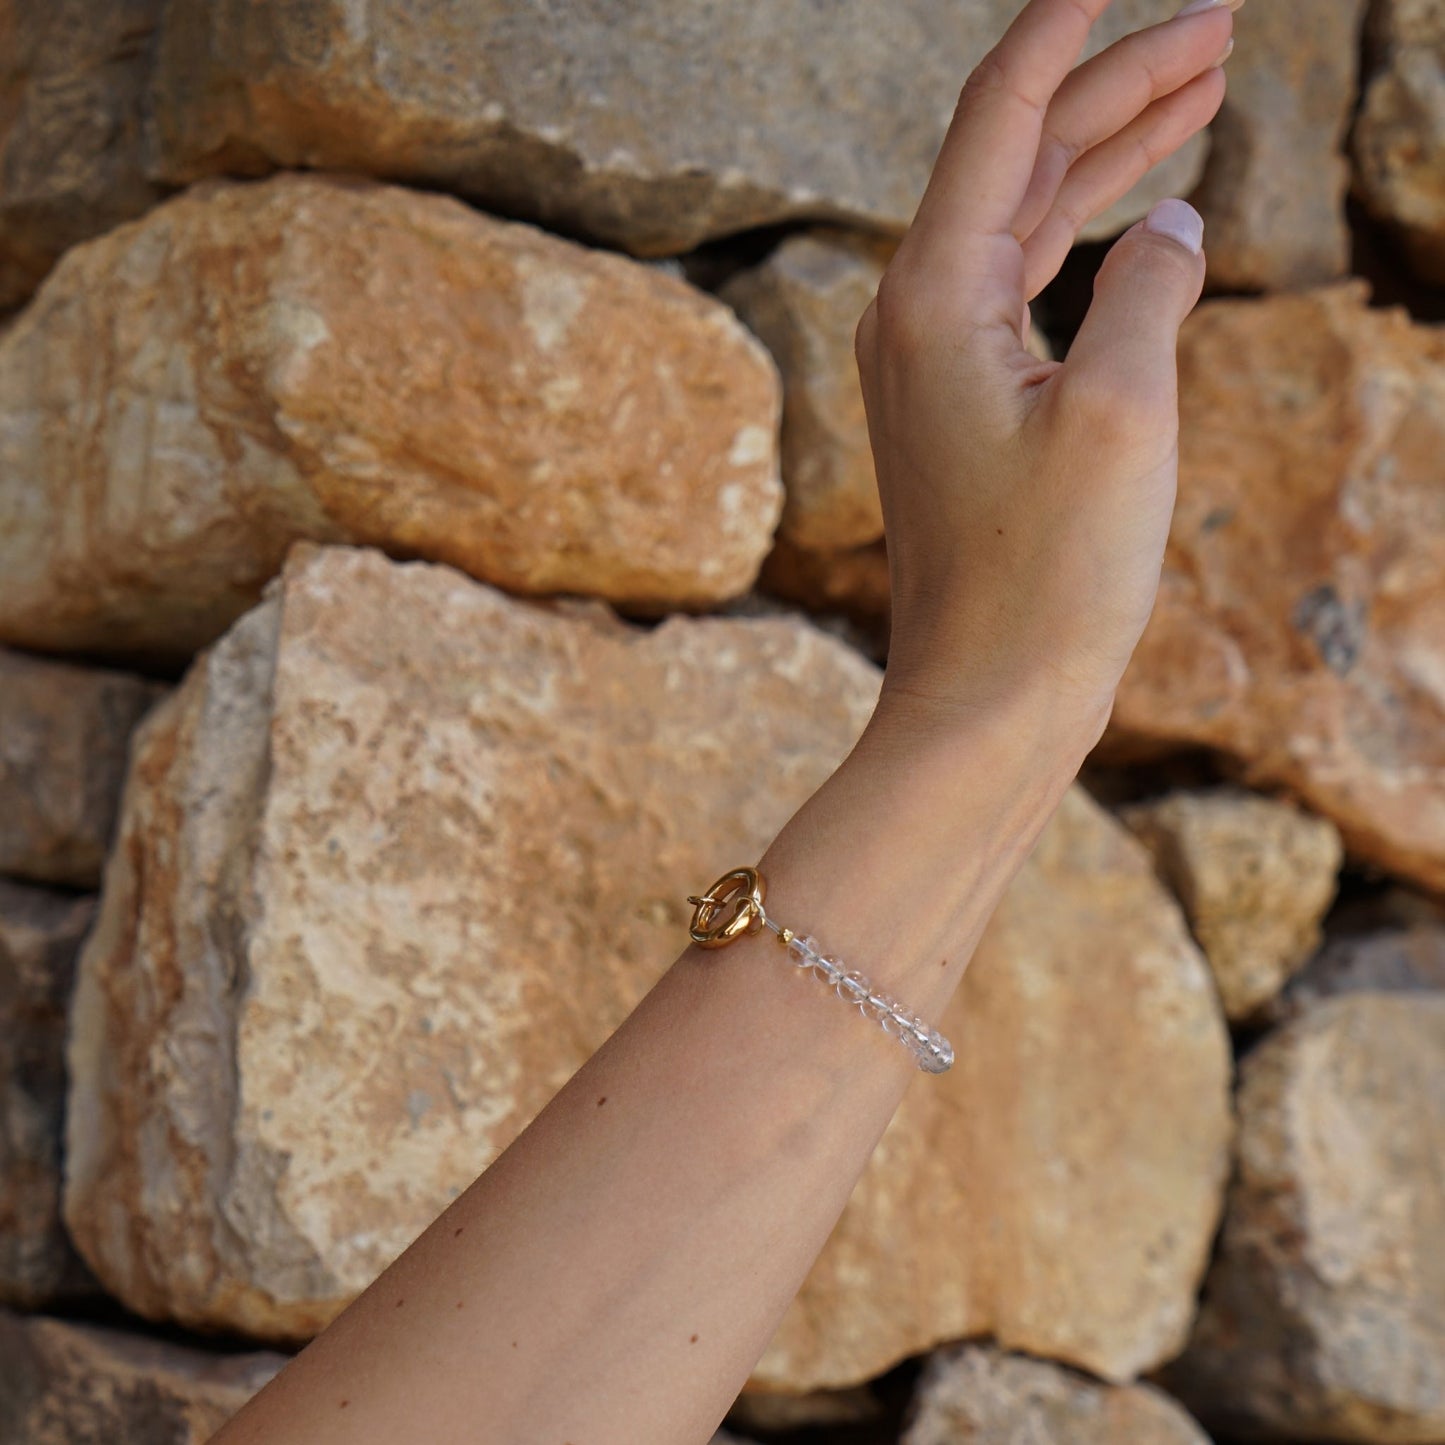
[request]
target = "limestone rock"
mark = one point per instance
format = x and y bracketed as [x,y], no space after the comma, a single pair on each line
[1402,960]
[1256,876]
[63,737]
[40,933]
[68,1384]
[313,358]
[72,78]
[977,1394]
[1300,624]
[352,801]
[804,302]
[1273,194]
[1324,1313]
[649,126]
[1399,139]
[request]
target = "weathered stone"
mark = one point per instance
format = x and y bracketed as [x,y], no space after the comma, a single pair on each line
[72,75]
[977,1394]
[64,731]
[1300,624]
[1399,139]
[1273,194]
[804,302]
[1324,1314]
[40,933]
[352,801]
[1406,960]
[852,581]
[765,1411]
[322,359]
[1256,876]
[651,126]
[68,1384]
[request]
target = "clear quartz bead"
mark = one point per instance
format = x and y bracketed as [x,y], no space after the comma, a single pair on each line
[829,969]
[852,987]
[804,950]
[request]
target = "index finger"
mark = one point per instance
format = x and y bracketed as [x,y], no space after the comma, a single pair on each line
[983,168]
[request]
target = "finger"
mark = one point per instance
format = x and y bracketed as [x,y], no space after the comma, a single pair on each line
[1107,93]
[1122,362]
[1109,171]
[983,168]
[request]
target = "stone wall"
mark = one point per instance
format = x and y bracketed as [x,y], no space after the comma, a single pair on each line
[408,412]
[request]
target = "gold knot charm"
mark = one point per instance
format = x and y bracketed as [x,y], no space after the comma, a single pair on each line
[730,908]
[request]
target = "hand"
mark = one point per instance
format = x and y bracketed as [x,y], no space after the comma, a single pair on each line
[1027,504]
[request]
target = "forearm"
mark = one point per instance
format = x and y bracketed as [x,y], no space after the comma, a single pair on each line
[618,1270]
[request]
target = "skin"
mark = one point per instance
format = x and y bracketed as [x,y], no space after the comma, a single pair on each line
[614,1276]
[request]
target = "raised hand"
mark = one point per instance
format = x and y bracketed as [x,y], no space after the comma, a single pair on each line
[1027,504]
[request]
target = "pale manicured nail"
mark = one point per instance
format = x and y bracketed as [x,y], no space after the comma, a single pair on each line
[1225,54]
[1194,7]
[1179,221]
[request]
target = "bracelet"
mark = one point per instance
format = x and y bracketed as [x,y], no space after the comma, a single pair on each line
[742,890]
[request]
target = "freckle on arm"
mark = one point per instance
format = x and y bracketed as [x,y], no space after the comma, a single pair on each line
[602,1101]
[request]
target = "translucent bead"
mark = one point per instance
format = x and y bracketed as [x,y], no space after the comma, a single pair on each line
[830,969]
[803,950]
[852,987]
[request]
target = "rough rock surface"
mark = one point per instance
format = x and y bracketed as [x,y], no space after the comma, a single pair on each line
[1256,876]
[1324,1313]
[649,126]
[1273,194]
[1300,625]
[1403,960]
[341,361]
[804,302]
[1399,139]
[40,933]
[977,1394]
[72,74]
[68,1384]
[351,803]
[64,731]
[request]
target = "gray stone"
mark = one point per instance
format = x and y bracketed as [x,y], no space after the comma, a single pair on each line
[64,732]
[649,126]
[1324,1312]
[70,1384]
[40,934]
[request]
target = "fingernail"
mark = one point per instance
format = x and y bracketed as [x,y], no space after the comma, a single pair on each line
[1194,7]
[1179,221]
[1225,54]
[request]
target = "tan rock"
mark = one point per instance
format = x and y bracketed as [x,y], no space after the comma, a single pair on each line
[760,1410]
[652,126]
[975,1393]
[1300,625]
[1324,1313]
[852,581]
[1399,138]
[40,933]
[354,798]
[69,1384]
[1273,194]
[804,302]
[310,358]
[1256,876]
[63,737]
[72,79]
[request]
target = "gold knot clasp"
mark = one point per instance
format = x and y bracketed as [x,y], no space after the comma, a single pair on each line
[730,908]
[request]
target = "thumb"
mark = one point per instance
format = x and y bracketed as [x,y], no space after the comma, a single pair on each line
[1148,284]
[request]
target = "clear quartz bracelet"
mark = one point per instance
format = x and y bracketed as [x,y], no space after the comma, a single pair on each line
[733,906]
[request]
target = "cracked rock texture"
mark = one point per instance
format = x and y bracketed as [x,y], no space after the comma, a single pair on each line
[649,126]
[1324,1311]
[325,888]
[1300,624]
[341,361]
